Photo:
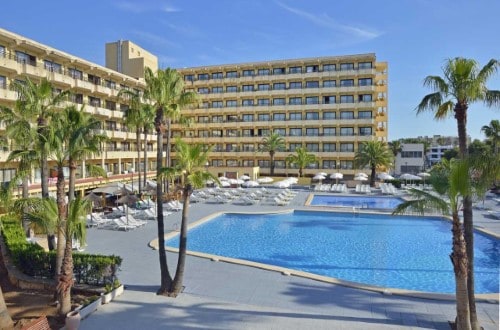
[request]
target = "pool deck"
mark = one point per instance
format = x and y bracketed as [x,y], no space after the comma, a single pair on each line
[220,295]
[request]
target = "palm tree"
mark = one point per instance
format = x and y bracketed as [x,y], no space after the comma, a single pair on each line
[190,165]
[148,124]
[492,132]
[395,147]
[452,185]
[463,83]
[164,89]
[373,154]
[301,159]
[271,144]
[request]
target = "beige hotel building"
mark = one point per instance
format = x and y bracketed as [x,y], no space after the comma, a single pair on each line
[328,105]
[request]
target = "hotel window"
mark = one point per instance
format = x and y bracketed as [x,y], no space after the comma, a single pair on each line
[110,84]
[231,103]
[247,132]
[294,146]
[264,163]
[312,116]
[263,87]
[77,98]
[52,66]
[312,100]
[217,119]
[313,147]
[2,51]
[312,84]
[231,133]
[365,65]
[329,100]
[346,115]
[263,72]
[203,119]
[329,115]
[3,82]
[203,76]
[279,86]
[189,77]
[279,164]
[204,105]
[329,67]
[312,131]
[295,132]
[365,81]
[231,74]
[346,131]
[279,101]
[295,100]
[346,98]
[329,147]
[329,131]
[217,133]
[232,118]
[217,163]
[217,75]
[75,74]
[94,79]
[347,83]
[295,84]
[217,104]
[247,162]
[365,98]
[346,164]
[217,89]
[295,116]
[280,131]
[247,88]
[24,58]
[203,90]
[111,125]
[264,117]
[346,66]
[94,101]
[248,73]
[263,132]
[231,89]
[364,131]
[278,117]
[346,147]
[312,68]
[329,163]
[247,102]
[329,83]
[279,71]
[110,105]
[203,133]
[295,69]
[364,114]
[247,118]
[263,102]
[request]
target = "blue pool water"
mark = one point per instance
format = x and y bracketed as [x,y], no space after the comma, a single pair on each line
[357,201]
[388,251]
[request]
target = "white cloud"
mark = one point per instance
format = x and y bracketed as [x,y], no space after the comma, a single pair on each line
[153,38]
[169,9]
[136,7]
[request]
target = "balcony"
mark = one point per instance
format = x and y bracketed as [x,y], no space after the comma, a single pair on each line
[9,65]
[84,85]
[61,79]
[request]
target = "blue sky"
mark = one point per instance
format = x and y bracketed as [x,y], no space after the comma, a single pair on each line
[414,36]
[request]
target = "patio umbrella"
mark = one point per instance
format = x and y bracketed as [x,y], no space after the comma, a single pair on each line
[362,174]
[319,177]
[385,176]
[282,184]
[93,197]
[127,199]
[336,176]
[361,178]
[292,180]
[223,178]
[244,177]
[225,184]
[423,175]
[250,183]
[322,173]
[265,180]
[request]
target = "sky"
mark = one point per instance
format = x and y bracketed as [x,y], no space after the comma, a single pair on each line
[415,37]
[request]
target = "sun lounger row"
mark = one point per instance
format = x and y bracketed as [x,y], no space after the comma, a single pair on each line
[363,189]
[388,189]
[340,188]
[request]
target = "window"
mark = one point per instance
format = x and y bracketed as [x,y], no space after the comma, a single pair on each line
[263,72]
[247,162]
[110,84]
[247,88]
[364,114]
[278,117]
[346,147]
[203,76]
[203,90]
[312,100]
[346,99]
[329,99]
[346,131]
[189,77]
[77,98]
[263,87]
[217,119]
[365,81]
[295,100]
[217,162]
[346,164]
[231,74]
[75,74]
[247,132]
[2,51]
[295,116]
[263,132]
[264,163]
[231,118]
[329,163]
[295,84]
[346,115]
[346,66]
[365,65]
[347,83]
[262,102]
[52,66]
[329,115]
[329,131]
[24,58]
[231,89]
[279,71]
[110,105]
[295,131]
[247,117]
[217,133]
[329,67]
[365,98]
[329,83]
[231,103]
[94,79]
[295,69]
[364,131]
[329,147]
[313,147]
[312,68]
[111,125]
[279,86]
[280,131]
[94,101]
[203,133]
[203,119]
[231,133]
[247,102]
[248,73]
[232,163]
[264,117]
[312,131]
[204,105]
[411,154]
[294,146]
[217,75]
[3,82]
[312,84]
[279,101]
[217,89]
[216,104]
[312,115]
[279,164]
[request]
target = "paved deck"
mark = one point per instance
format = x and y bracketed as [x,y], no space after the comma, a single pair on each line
[220,295]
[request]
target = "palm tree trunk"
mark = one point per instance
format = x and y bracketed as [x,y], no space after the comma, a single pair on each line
[25,195]
[145,156]
[72,180]
[459,260]
[61,208]
[65,279]
[271,153]
[461,117]
[44,164]
[181,261]
[372,177]
[138,143]
[167,159]
[5,319]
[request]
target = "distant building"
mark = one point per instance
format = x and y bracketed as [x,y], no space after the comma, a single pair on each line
[128,58]
[441,140]
[410,159]
[436,153]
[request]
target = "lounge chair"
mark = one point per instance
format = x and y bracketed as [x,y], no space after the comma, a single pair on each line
[245,200]
[132,221]
[118,224]
[280,202]
[221,199]
[174,206]
[494,214]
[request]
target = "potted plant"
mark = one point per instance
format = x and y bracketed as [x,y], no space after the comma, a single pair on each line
[112,291]
[73,319]
[89,306]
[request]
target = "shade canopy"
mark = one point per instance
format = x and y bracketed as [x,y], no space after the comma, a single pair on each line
[225,184]
[265,180]
[360,178]
[424,174]
[336,175]
[319,177]
[250,183]
[385,176]
[408,176]
[113,188]
[93,197]
[128,199]
[244,177]
[223,178]
[362,174]
[322,173]
[282,184]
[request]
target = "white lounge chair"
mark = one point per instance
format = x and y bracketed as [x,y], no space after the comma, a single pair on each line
[280,202]
[245,200]
[174,206]
[132,221]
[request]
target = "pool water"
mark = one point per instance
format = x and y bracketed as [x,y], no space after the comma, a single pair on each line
[380,203]
[387,251]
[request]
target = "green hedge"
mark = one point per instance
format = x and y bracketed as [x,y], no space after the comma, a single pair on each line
[34,261]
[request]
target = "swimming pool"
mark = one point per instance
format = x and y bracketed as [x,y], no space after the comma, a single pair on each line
[370,202]
[409,253]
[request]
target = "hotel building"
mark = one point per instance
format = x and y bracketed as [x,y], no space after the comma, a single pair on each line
[328,105]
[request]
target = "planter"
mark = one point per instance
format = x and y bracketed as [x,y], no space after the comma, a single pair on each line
[88,309]
[108,297]
[73,320]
